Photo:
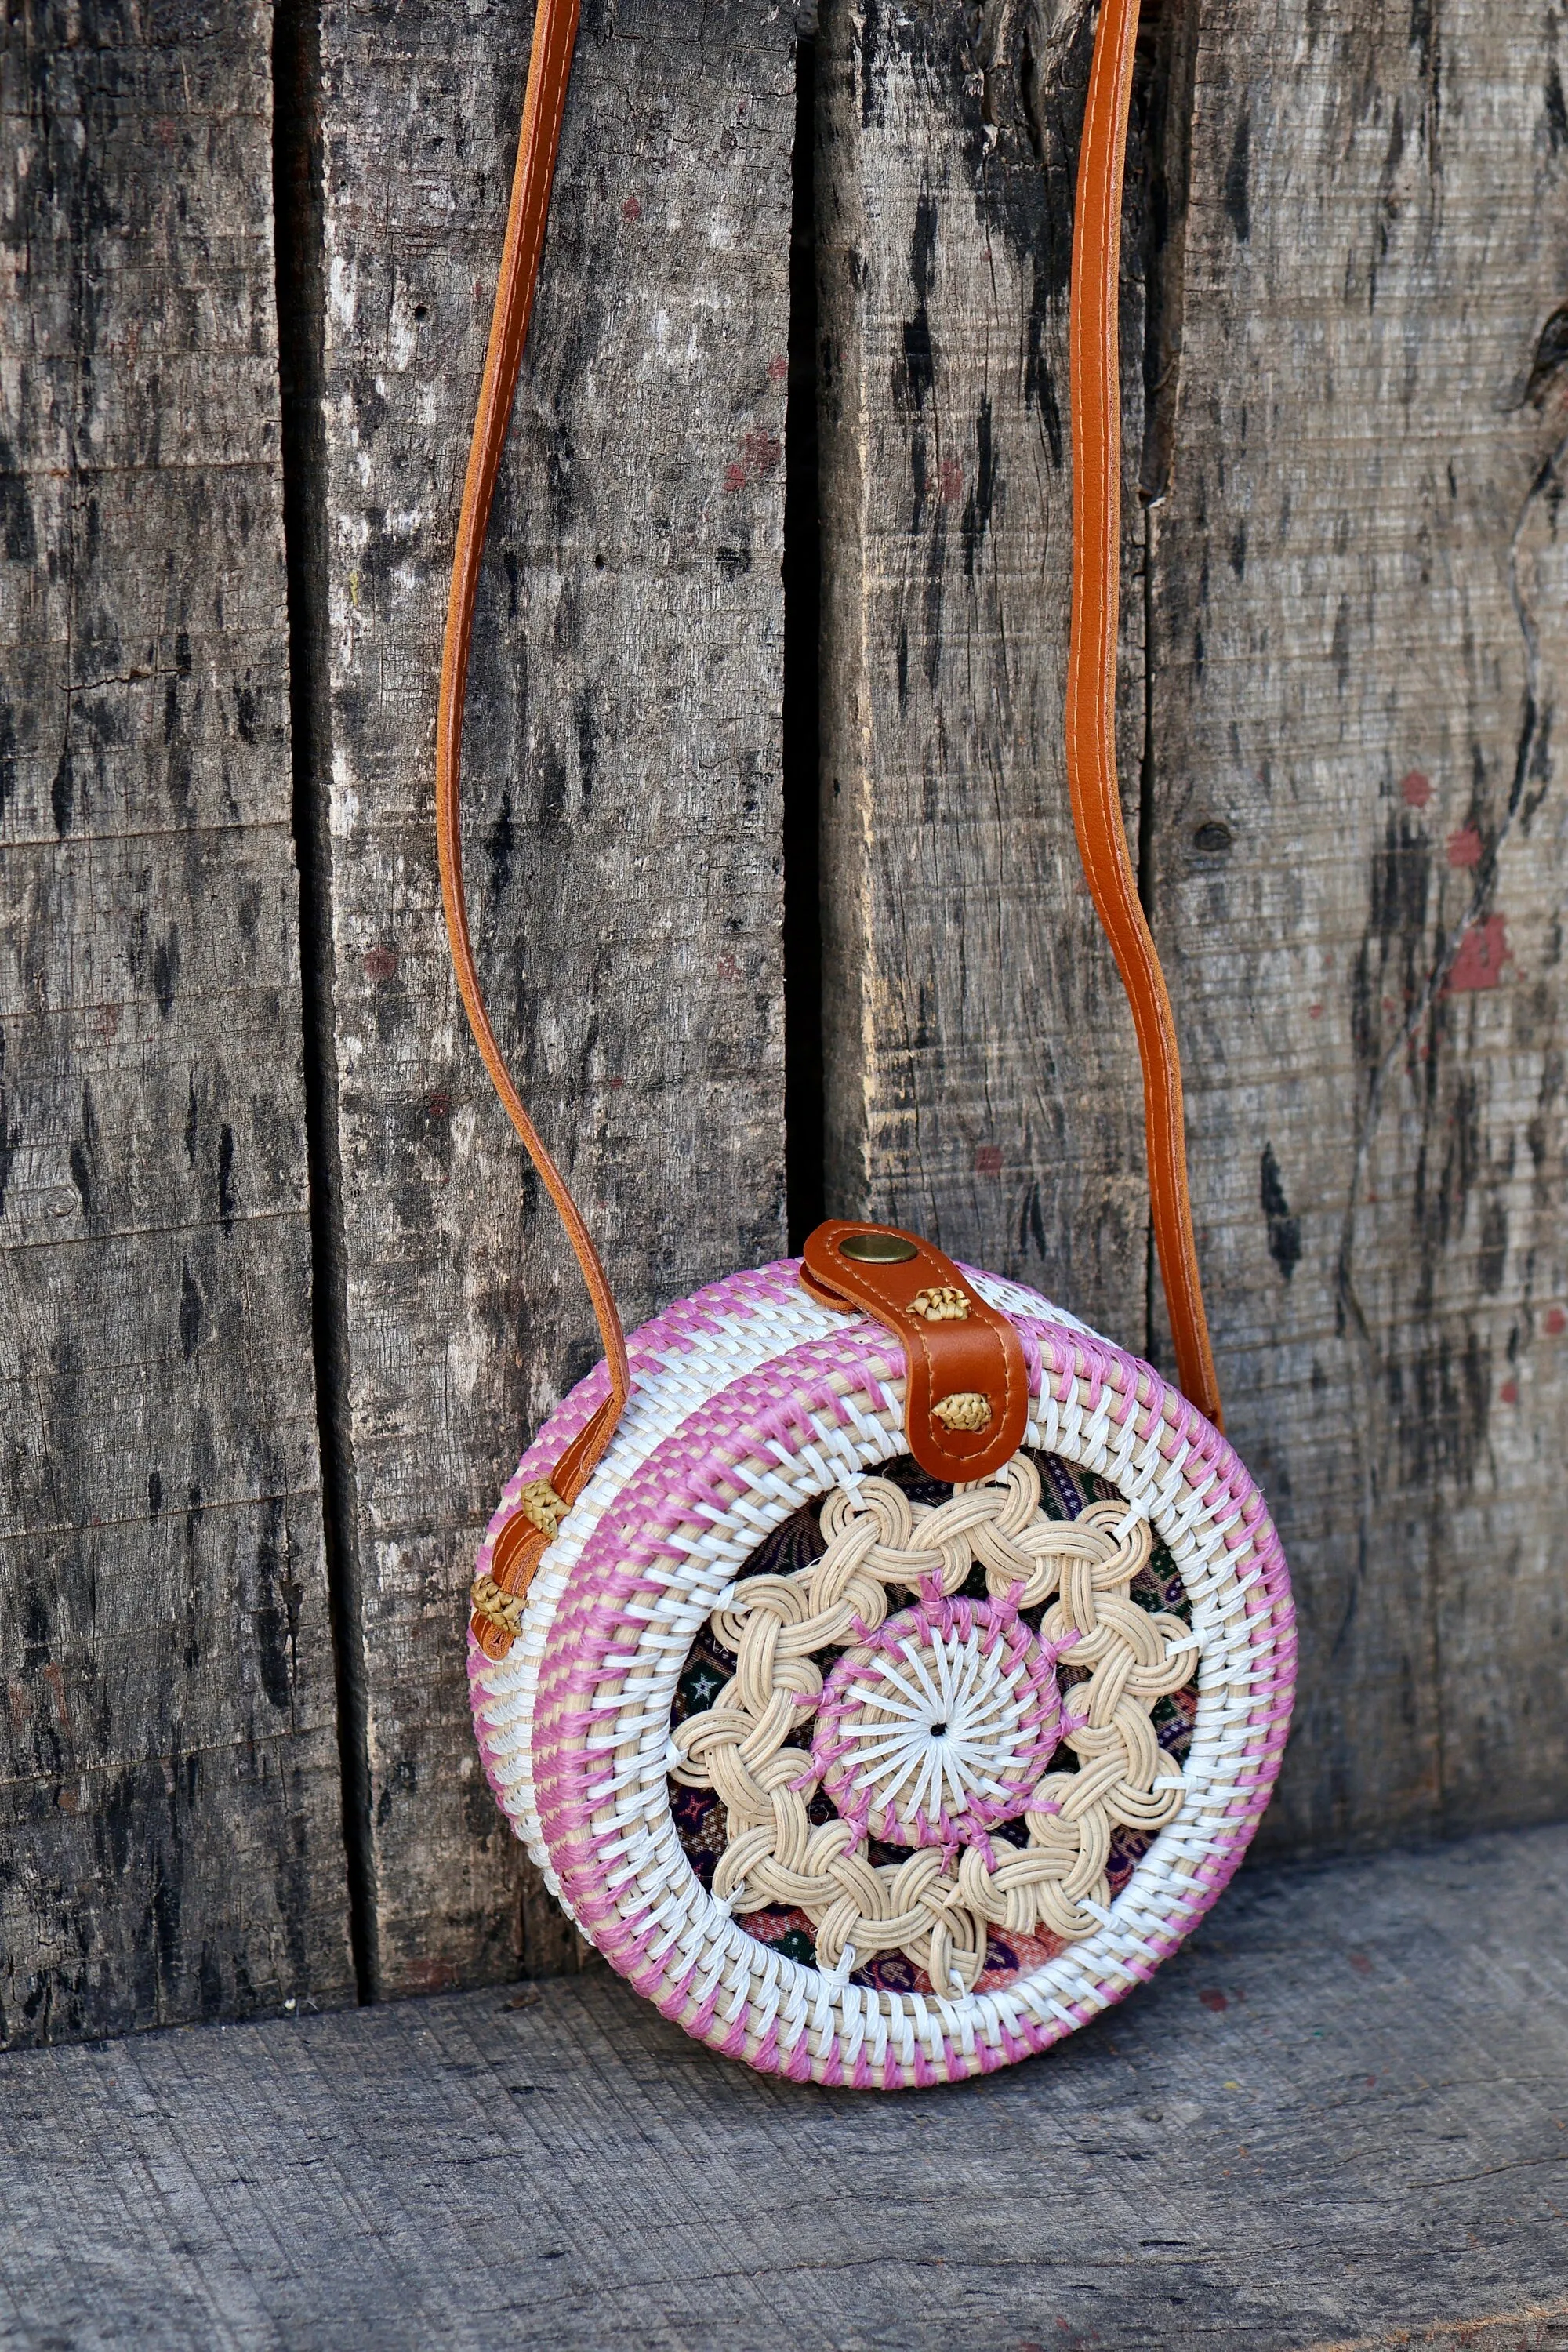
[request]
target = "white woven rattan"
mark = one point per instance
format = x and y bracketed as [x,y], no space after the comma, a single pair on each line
[574,1723]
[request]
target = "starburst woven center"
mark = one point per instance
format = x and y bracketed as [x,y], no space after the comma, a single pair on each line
[940,1726]
[936,1724]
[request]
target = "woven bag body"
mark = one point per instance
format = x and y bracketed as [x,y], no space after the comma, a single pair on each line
[962,1767]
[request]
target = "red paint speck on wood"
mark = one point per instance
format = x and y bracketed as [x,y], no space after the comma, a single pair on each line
[1416,789]
[1483,951]
[381,963]
[988,1159]
[952,481]
[1465,846]
[778,367]
[759,453]
[1556,1322]
[632,209]
[1509,1392]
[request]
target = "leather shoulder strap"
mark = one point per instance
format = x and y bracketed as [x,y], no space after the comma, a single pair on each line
[1095,387]
[1091,723]
[549,70]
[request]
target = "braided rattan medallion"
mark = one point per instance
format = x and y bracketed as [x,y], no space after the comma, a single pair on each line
[865,1779]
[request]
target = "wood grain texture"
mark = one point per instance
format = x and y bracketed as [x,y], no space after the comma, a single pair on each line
[981,1070]
[1337,2117]
[623,756]
[1359,863]
[169,1786]
[1346,287]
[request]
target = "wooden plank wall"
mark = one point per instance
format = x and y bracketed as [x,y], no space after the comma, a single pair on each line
[624,832]
[981,1072]
[170,1843]
[246,1146]
[1359,859]
[1347,251]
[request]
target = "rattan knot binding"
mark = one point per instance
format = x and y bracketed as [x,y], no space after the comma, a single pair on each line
[504,1608]
[943,1304]
[966,1409]
[540,1503]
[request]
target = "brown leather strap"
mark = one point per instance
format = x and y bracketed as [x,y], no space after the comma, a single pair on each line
[1090,726]
[1096,403]
[967,1403]
[550,67]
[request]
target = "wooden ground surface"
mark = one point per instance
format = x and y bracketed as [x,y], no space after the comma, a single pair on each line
[1340,2117]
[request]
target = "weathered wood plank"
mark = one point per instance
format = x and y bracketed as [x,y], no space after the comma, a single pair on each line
[982,1076]
[1336,2118]
[1359,865]
[169,1781]
[624,840]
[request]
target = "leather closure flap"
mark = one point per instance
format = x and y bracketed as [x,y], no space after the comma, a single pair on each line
[967,1401]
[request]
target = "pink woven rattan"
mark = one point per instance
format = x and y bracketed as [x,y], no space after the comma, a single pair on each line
[748,1399]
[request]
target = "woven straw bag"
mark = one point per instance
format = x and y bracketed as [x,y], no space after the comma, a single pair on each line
[884,1670]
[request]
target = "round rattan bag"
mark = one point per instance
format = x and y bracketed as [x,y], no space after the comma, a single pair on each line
[884,1670]
[859,1779]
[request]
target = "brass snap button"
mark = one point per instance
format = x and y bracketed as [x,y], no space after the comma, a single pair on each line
[877,1249]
